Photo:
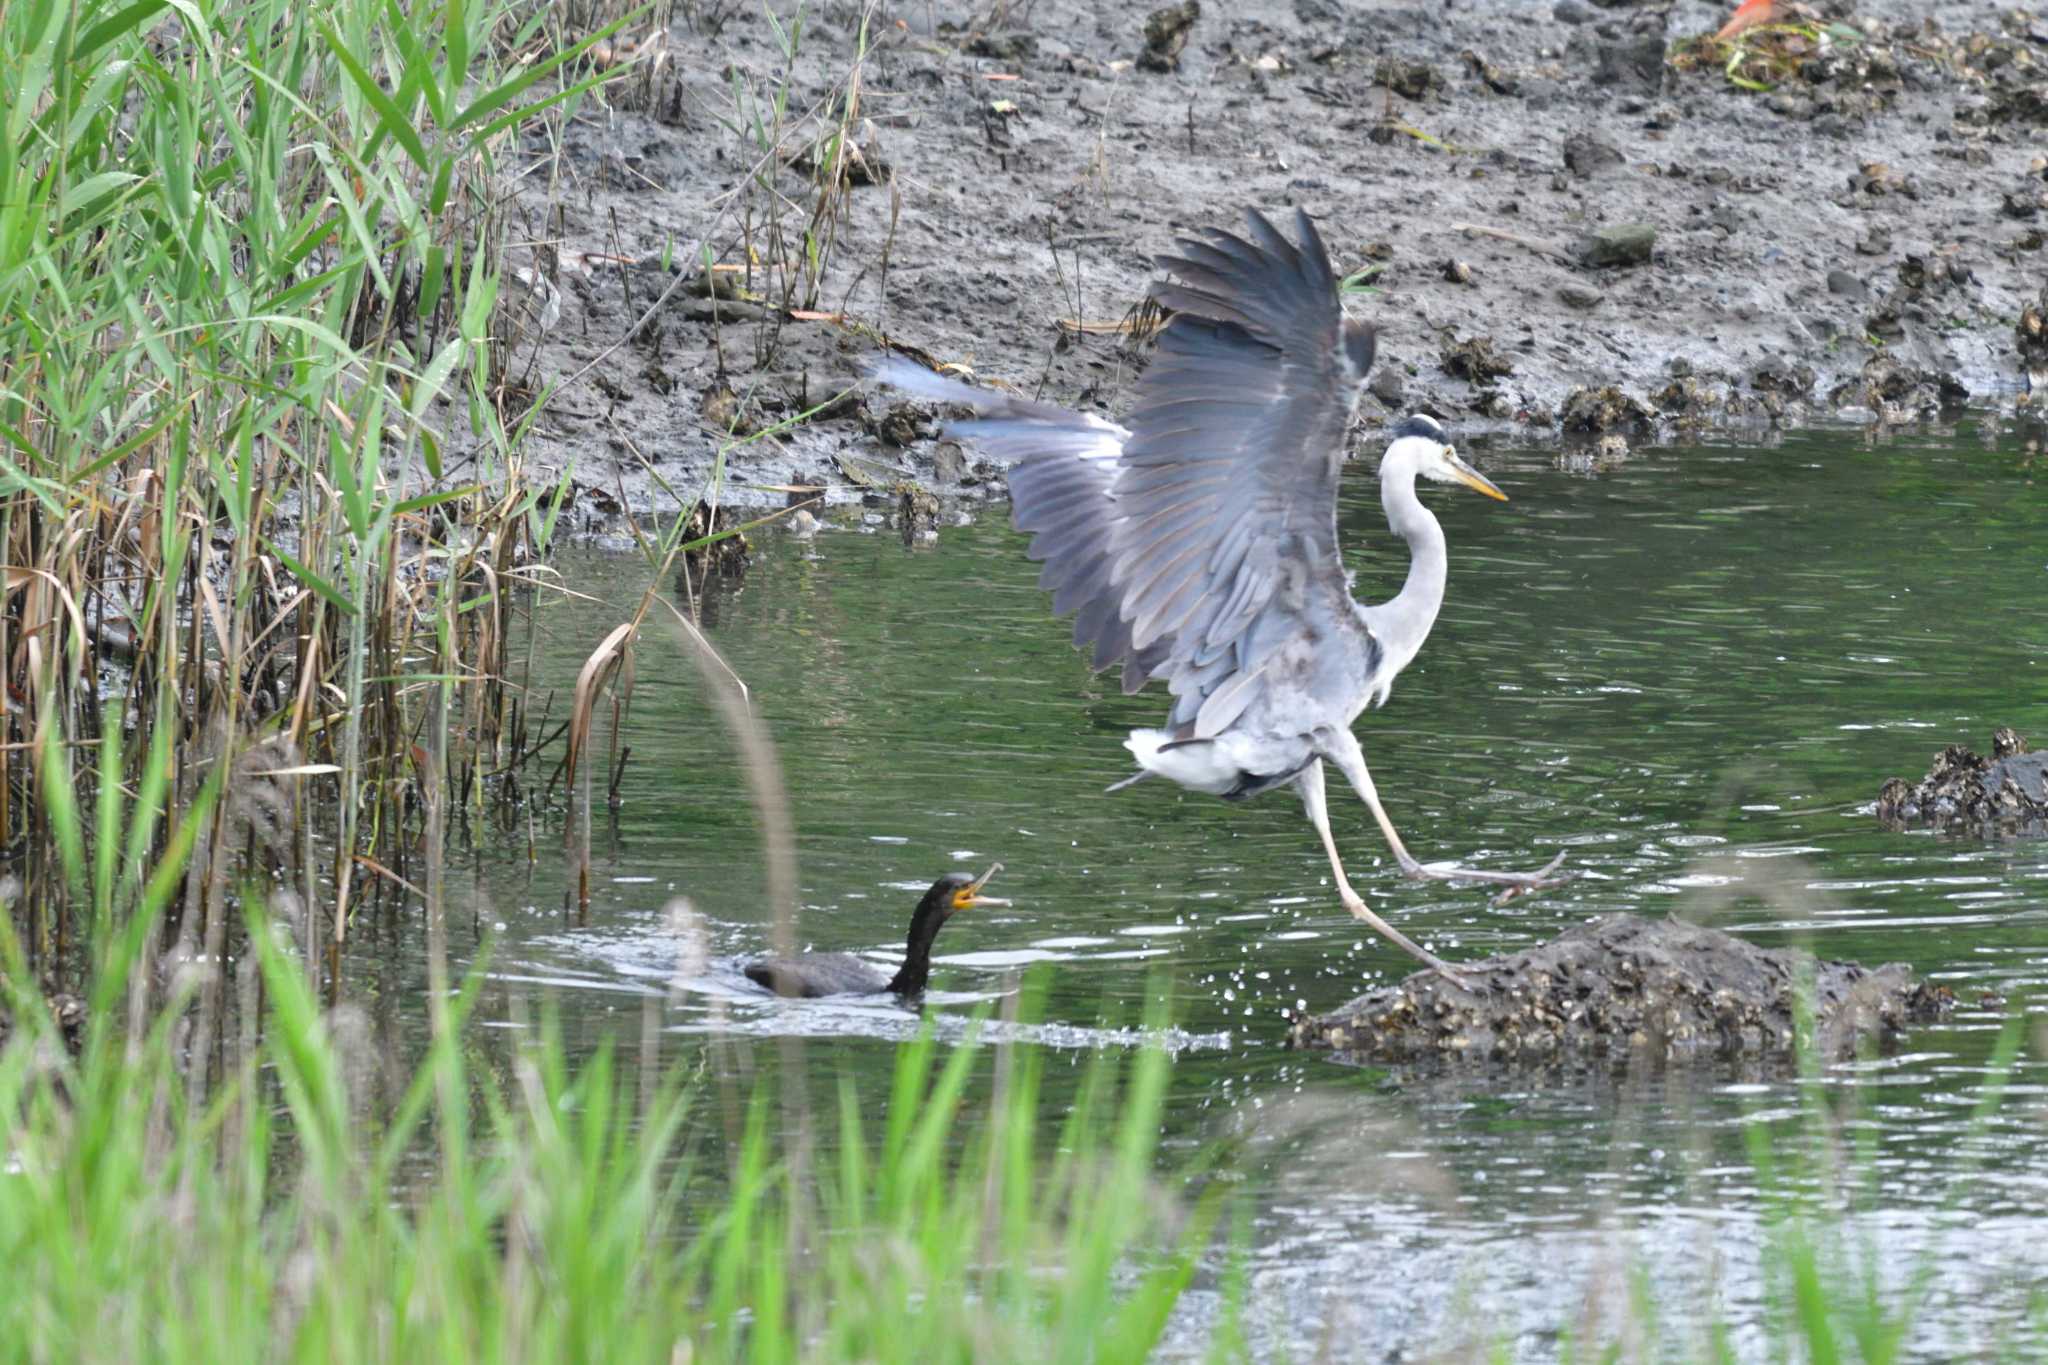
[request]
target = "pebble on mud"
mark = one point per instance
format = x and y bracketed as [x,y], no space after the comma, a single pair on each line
[1622,244]
[2031,332]
[1788,378]
[1683,397]
[1846,285]
[1474,359]
[1605,408]
[1625,987]
[1586,156]
[1457,271]
[1409,80]
[902,425]
[917,513]
[1386,385]
[1166,34]
[1580,296]
[720,409]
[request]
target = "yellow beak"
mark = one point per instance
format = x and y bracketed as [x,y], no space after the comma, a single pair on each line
[1471,477]
[970,894]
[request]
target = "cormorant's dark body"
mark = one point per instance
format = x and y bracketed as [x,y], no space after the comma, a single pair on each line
[812,975]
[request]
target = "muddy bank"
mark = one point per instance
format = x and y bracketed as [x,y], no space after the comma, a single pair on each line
[1966,793]
[1574,220]
[1627,987]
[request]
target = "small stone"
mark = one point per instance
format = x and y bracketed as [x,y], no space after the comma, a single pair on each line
[2025,204]
[1386,386]
[949,462]
[1634,62]
[1475,360]
[1580,297]
[1848,286]
[1497,79]
[1683,396]
[1875,242]
[1605,408]
[1783,377]
[917,512]
[1457,271]
[1622,244]
[1166,33]
[1016,46]
[720,408]
[1409,80]
[1586,156]
[903,425]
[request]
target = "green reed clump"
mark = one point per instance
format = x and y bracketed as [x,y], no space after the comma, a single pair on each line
[556,1214]
[257,439]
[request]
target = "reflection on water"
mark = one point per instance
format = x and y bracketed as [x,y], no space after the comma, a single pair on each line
[1691,673]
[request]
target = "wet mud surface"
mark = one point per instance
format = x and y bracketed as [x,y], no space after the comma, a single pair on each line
[1627,987]
[1576,222]
[1964,792]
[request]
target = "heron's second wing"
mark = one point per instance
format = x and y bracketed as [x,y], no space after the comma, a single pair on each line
[1060,494]
[1226,491]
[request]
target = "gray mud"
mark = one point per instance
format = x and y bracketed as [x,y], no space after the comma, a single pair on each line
[1626,987]
[1857,243]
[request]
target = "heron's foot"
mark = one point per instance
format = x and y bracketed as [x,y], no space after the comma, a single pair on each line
[1518,883]
[1362,912]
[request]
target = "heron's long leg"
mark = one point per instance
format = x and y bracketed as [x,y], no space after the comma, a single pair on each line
[1310,785]
[1343,750]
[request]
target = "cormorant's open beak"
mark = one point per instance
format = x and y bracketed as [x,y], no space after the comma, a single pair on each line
[1471,477]
[970,894]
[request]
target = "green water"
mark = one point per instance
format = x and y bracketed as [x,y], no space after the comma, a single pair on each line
[1691,673]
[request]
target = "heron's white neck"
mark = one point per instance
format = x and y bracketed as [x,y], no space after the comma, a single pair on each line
[1403,623]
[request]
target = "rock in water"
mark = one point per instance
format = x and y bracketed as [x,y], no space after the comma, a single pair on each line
[2007,791]
[1624,986]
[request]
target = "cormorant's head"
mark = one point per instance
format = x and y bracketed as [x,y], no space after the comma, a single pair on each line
[1421,446]
[956,891]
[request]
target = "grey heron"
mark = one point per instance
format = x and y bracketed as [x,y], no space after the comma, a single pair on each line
[1196,541]
[819,974]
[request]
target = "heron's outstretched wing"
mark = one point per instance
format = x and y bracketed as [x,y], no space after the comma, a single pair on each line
[1223,498]
[1060,491]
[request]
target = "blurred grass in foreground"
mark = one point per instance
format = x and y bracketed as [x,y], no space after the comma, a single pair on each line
[561,1216]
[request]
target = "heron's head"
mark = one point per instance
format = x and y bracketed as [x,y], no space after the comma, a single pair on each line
[1420,445]
[956,891]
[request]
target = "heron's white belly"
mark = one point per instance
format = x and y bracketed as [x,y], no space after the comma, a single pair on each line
[1216,766]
